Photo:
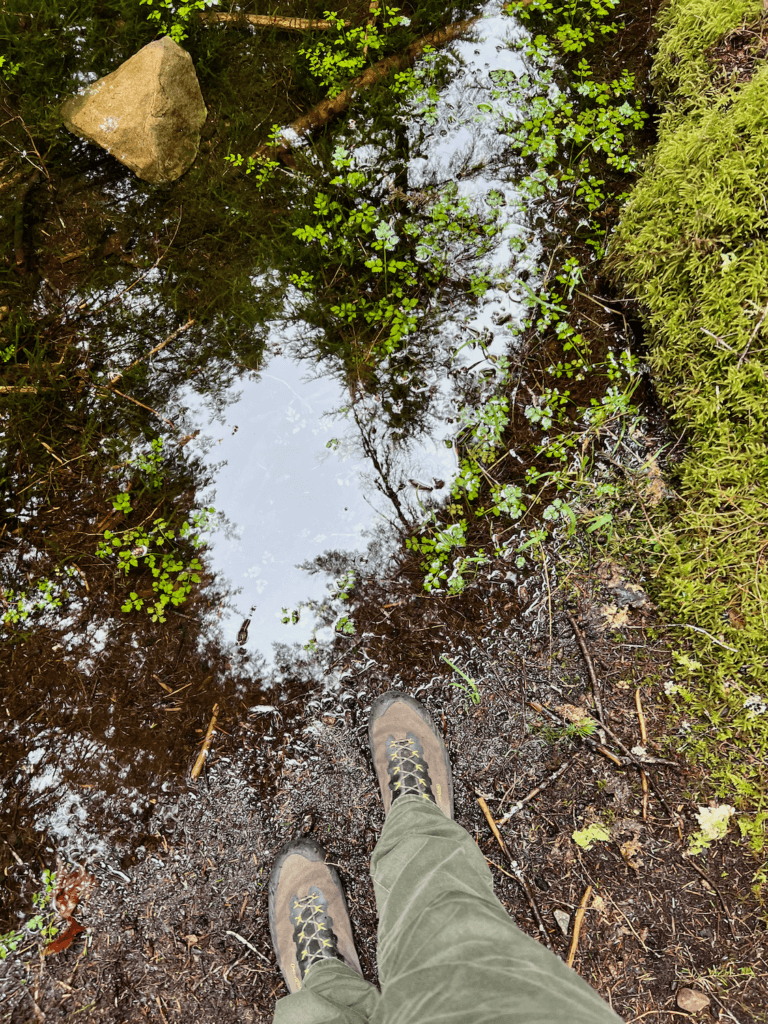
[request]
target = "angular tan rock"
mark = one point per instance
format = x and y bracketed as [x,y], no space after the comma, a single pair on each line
[147,114]
[691,1000]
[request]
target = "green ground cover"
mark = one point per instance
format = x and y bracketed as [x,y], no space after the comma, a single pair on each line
[691,245]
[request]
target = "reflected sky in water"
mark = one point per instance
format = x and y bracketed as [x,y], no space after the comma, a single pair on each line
[289,497]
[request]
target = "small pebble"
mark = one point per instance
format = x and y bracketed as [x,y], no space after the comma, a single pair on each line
[691,1001]
[563,920]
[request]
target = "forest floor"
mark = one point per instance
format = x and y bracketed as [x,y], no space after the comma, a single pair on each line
[188,936]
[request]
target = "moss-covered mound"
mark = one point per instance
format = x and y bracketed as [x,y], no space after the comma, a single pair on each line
[692,245]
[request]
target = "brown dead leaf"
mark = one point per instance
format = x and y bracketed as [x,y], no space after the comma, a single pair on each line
[598,904]
[736,619]
[631,851]
[65,940]
[72,887]
[654,483]
[571,712]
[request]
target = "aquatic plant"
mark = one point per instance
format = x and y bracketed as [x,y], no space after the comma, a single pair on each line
[343,53]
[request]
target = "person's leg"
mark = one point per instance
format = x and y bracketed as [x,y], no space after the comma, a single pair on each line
[332,993]
[448,951]
[313,943]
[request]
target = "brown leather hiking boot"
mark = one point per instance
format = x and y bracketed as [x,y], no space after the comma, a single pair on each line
[308,915]
[408,752]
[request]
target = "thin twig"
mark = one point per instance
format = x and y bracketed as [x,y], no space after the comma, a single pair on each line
[577,921]
[553,777]
[201,757]
[590,667]
[267,21]
[643,740]
[752,337]
[587,740]
[698,629]
[630,758]
[720,896]
[114,391]
[245,942]
[517,872]
[140,278]
[325,111]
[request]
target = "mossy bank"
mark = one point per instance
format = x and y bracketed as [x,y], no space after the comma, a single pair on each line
[691,245]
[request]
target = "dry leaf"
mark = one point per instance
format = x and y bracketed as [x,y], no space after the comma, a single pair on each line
[598,904]
[572,713]
[631,851]
[691,1000]
[64,941]
[71,888]
[613,615]
[654,483]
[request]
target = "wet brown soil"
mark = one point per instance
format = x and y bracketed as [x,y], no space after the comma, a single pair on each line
[180,930]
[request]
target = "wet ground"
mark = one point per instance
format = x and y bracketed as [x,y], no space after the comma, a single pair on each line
[311,453]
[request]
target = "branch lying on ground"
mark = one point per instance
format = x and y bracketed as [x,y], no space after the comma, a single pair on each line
[552,777]
[577,925]
[590,667]
[328,109]
[268,21]
[204,750]
[630,759]
[518,874]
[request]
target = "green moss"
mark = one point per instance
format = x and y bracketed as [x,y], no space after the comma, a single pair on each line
[689,27]
[692,246]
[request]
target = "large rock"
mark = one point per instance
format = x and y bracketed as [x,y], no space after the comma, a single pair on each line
[148,113]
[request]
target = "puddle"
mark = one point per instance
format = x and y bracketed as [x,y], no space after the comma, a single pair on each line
[296,485]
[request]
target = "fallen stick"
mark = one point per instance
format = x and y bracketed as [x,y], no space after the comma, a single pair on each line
[577,922]
[712,885]
[590,667]
[587,740]
[553,777]
[629,757]
[518,874]
[325,111]
[268,21]
[201,757]
[643,740]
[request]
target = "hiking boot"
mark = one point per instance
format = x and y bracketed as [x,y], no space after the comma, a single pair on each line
[408,752]
[308,916]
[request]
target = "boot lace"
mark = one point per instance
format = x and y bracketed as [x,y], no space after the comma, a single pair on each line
[312,929]
[408,775]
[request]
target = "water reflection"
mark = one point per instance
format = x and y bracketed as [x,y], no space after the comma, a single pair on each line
[296,483]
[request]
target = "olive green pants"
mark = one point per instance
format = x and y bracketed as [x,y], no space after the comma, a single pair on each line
[447,949]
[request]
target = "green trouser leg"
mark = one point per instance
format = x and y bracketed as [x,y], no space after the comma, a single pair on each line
[448,951]
[332,993]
